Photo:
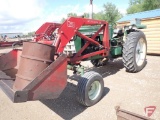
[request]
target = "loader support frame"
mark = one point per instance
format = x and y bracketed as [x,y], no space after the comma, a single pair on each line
[70,28]
[52,79]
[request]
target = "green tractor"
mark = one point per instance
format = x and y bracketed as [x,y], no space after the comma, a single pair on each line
[128,42]
[39,70]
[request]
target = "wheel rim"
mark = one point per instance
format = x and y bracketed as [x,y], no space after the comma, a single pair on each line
[140,52]
[94,90]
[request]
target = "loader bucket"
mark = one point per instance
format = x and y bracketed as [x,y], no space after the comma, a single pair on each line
[32,74]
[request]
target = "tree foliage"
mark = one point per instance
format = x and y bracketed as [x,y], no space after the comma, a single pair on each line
[99,16]
[142,5]
[133,2]
[31,33]
[109,13]
[150,4]
[69,15]
[86,15]
[62,20]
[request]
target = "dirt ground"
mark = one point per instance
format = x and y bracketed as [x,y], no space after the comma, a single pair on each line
[132,92]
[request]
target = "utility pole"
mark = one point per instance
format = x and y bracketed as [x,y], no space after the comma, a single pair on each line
[91,8]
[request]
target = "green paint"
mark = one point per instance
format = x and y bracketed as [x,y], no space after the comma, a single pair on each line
[77,42]
[116,51]
[79,69]
[141,26]
[95,57]
[88,30]
[69,67]
[110,32]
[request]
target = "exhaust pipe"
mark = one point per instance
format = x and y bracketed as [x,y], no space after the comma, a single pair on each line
[91,9]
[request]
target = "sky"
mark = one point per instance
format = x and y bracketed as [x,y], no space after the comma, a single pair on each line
[28,15]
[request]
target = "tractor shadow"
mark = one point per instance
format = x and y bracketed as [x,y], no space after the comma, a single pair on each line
[66,106]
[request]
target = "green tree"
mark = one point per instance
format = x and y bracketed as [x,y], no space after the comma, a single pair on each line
[31,34]
[62,20]
[99,16]
[133,2]
[111,13]
[69,15]
[150,4]
[86,15]
[134,8]
[142,5]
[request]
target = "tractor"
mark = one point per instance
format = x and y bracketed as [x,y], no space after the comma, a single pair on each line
[39,70]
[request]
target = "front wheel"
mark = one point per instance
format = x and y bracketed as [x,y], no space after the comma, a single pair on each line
[134,52]
[90,88]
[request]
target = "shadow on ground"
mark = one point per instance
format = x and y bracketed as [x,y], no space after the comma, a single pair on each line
[66,105]
[111,68]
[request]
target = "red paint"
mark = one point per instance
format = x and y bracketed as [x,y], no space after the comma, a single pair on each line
[149,110]
[87,38]
[7,43]
[51,79]
[48,42]
[69,29]
[81,50]
[46,30]
[101,52]
[71,26]
[51,84]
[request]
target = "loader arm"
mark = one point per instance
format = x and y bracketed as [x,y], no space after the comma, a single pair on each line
[46,30]
[70,28]
[40,69]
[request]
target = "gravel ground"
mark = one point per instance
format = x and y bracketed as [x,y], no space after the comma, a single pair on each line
[132,92]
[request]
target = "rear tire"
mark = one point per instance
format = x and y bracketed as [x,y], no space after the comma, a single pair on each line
[134,52]
[90,88]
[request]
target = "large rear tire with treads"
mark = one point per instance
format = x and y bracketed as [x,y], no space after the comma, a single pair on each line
[134,52]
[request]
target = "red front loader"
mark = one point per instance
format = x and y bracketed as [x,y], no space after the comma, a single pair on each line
[39,70]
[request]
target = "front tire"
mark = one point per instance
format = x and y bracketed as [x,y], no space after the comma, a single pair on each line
[90,88]
[134,52]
